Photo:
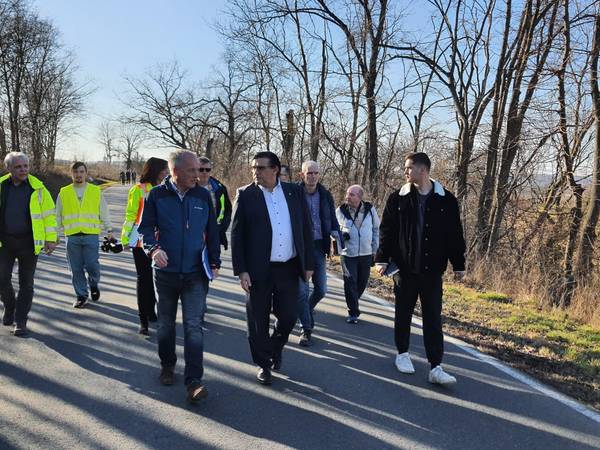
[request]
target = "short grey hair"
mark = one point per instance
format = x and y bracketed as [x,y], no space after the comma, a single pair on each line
[178,156]
[359,188]
[11,157]
[204,160]
[306,164]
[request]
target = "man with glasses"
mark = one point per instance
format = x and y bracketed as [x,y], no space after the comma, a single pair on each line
[324,223]
[219,197]
[271,245]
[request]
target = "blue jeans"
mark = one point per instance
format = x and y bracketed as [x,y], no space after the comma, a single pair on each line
[191,288]
[307,303]
[83,256]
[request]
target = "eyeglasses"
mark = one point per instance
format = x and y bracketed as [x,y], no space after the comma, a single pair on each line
[261,168]
[312,173]
[204,169]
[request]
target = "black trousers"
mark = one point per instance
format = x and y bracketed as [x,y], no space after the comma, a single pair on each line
[356,271]
[146,297]
[20,249]
[429,289]
[279,293]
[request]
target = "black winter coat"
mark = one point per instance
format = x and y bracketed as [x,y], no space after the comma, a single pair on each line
[443,238]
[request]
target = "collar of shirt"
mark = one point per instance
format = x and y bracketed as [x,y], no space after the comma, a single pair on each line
[277,186]
[179,193]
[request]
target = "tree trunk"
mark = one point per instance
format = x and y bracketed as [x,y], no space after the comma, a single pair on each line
[585,247]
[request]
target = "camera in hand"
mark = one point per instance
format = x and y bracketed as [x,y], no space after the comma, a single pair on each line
[111,245]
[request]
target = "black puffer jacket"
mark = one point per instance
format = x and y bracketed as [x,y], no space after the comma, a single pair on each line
[443,238]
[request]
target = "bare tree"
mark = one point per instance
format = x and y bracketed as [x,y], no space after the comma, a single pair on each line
[585,245]
[165,104]
[107,138]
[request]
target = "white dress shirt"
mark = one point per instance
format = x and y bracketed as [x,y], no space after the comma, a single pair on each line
[282,239]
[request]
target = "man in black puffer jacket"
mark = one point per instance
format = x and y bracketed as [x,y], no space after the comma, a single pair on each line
[420,231]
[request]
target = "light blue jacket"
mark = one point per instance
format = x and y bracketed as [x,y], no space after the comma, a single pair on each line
[364,240]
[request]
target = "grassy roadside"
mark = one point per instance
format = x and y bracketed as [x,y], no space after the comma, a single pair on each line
[547,345]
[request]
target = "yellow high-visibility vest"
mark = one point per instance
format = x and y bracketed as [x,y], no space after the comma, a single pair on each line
[84,216]
[222,212]
[133,214]
[41,209]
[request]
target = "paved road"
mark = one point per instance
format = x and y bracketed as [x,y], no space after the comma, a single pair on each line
[84,379]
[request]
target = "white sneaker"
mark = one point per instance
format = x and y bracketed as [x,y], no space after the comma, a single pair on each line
[438,376]
[404,364]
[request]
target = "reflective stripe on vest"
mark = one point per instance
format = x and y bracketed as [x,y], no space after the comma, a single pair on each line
[84,216]
[222,212]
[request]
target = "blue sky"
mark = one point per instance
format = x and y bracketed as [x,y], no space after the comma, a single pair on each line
[111,38]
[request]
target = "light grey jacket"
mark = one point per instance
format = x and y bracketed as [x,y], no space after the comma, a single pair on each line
[364,240]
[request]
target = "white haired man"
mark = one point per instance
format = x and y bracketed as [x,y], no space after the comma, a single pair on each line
[27,226]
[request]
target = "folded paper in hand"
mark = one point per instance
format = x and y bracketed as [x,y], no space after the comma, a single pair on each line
[391,270]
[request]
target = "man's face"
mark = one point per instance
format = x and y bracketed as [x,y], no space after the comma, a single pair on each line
[79,175]
[353,197]
[19,170]
[263,173]
[186,174]
[284,175]
[310,175]
[204,175]
[414,173]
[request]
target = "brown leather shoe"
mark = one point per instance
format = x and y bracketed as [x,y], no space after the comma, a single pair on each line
[167,376]
[196,392]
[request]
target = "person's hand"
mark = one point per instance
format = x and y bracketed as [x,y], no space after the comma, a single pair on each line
[49,247]
[215,273]
[308,274]
[160,258]
[459,275]
[381,268]
[245,282]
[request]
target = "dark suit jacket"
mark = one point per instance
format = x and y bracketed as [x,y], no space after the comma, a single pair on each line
[251,232]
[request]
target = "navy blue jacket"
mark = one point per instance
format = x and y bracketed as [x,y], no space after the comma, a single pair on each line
[185,229]
[329,221]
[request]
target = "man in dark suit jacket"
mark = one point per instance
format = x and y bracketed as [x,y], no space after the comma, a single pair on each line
[271,246]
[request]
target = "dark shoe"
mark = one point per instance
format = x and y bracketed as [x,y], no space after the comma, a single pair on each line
[264,376]
[20,330]
[144,330]
[305,339]
[352,319]
[276,360]
[80,302]
[8,318]
[167,376]
[196,392]
[95,293]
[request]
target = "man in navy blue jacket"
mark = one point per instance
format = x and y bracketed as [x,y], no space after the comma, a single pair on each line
[181,235]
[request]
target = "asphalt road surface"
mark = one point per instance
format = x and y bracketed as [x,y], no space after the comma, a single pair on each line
[85,379]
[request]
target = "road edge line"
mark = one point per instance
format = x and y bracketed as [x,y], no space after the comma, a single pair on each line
[496,363]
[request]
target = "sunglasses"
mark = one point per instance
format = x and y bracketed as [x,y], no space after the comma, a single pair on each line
[204,169]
